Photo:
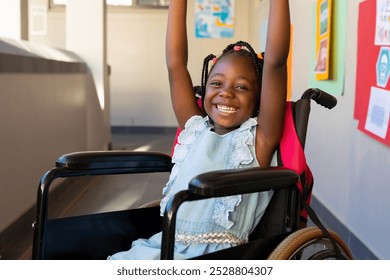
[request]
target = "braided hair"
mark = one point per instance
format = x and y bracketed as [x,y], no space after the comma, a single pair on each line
[232,49]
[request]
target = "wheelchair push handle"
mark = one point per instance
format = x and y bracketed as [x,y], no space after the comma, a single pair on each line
[320,97]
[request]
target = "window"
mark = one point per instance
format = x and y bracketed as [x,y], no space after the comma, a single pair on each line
[126,3]
[109,2]
[153,3]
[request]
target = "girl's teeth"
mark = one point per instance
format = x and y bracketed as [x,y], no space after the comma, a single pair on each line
[226,109]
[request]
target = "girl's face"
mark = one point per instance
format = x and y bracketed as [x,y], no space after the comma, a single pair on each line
[232,93]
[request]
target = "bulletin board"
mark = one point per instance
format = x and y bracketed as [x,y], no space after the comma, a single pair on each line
[372,102]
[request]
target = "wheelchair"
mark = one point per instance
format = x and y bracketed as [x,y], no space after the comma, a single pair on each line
[281,234]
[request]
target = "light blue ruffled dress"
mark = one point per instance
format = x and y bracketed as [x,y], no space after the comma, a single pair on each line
[200,150]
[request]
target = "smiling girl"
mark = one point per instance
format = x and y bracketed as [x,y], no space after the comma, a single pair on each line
[239,125]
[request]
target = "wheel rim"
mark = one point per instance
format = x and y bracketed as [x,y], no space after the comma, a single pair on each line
[309,243]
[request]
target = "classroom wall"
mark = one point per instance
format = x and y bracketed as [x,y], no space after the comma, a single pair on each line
[350,168]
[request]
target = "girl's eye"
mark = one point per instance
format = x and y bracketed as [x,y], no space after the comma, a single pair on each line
[215,83]
[241,87]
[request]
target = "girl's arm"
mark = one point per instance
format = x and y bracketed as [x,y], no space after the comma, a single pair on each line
[274,85]
[182,96]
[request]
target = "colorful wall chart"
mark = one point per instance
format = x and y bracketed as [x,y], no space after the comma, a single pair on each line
[335,83]
[372,102]
[214,18]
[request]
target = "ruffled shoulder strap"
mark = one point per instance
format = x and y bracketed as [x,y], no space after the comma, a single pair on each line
[192,129]
[242,145]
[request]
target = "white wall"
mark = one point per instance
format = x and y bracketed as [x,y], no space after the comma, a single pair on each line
[13,19]
[88,39]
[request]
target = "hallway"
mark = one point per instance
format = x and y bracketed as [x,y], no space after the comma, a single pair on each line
[101,194]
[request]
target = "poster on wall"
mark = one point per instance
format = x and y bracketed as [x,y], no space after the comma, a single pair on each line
[323,39]
[382,28]
[338,45]
[214,18]
[372,102]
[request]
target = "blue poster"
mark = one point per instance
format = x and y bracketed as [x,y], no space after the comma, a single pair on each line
[214,18]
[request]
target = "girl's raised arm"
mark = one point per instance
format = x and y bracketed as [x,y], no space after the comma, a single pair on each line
[274,85]
[183,99]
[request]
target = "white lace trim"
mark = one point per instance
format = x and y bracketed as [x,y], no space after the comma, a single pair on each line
[239,156]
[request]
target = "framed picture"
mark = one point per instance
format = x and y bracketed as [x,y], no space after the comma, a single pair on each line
[323,39]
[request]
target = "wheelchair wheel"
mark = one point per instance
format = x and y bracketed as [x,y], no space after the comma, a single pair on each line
[310,244]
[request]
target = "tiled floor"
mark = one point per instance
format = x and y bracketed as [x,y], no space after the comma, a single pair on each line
[103,193]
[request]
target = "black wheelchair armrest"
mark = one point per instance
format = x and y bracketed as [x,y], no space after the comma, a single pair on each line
[114,160]
[91,163]
[239,181]
[222,183]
